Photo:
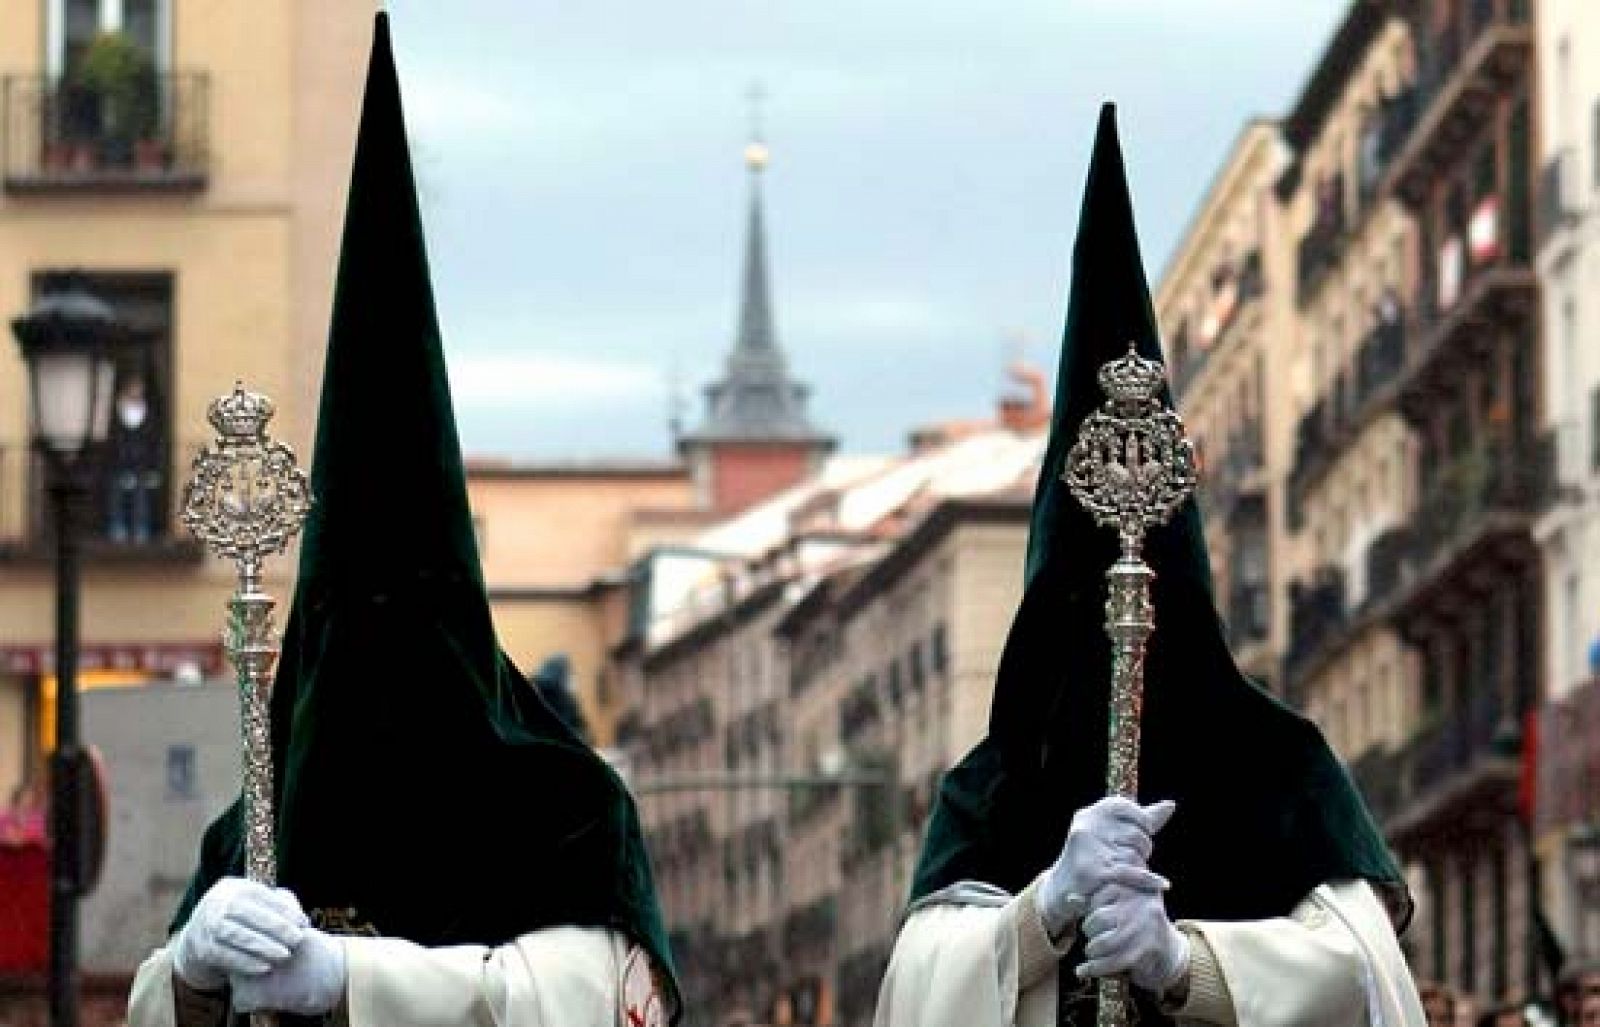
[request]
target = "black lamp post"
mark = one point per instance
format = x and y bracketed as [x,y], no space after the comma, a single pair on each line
[68,341]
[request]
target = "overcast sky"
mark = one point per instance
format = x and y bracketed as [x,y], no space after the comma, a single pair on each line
[585,197]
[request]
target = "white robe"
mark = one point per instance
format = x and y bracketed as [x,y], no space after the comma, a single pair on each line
[557,977]
[982,958]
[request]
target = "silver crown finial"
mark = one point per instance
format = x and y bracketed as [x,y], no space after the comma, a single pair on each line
[240,416]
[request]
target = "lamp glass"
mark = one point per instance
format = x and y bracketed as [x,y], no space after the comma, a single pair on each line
[64,386]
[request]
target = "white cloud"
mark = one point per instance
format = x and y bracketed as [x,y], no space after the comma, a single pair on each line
[515,380]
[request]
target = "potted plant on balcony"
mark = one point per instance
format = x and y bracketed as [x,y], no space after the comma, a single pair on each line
[122,79]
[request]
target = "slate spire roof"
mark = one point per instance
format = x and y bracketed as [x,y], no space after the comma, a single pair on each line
[756,399]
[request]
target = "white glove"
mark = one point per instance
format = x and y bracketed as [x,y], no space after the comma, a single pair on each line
[1129,932]
[1108,842]
[310,983]
[240,928]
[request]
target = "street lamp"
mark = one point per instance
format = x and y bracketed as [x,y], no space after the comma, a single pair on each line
[68,341]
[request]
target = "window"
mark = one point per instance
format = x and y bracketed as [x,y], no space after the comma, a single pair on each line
[72,26]
[941,648]
[1595,161]
[181,775]
[1594,428]
[131,486]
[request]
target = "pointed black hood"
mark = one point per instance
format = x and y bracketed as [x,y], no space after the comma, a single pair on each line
[422,783]
[1265,810]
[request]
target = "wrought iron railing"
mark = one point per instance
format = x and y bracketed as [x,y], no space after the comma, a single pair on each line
[1249,612]
[1378,773]
[1481,728]
[129,509]
[1318,611]
[1320,247]
[1487,479]
[62,135]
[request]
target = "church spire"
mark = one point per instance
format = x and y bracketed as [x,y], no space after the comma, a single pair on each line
[755,312]
[756,404]
[756,400]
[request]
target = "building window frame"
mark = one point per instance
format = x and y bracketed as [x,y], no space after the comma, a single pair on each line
[110,18]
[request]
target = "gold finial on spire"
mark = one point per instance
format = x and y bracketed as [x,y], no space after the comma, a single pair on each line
[756,153]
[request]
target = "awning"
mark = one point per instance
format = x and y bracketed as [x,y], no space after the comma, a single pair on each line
[161,658]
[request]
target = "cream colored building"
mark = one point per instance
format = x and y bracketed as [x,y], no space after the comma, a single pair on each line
[1568,44]
[1416,606]
[1569,266]
[1349,466]
[920,637]
[556,541]
[1225,346]
[210,221]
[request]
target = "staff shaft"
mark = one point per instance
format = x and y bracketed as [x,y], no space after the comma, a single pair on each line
[1129,623]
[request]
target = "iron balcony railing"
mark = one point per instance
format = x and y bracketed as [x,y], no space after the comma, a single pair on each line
[1485,480]
[59,135]
[129,509]
[1379,773]
[1249,613]
[1480,729]
[1318,612]
[1320,247]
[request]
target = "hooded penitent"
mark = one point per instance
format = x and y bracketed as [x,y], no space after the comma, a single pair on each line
[553,680]
[1265,812]
[422,784]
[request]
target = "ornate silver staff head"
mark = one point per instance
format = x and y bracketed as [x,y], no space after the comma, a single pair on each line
[246,498]
[1132,465]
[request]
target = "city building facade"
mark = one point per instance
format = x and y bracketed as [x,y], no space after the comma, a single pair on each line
[190,161]
[1568,531]
[1225,346]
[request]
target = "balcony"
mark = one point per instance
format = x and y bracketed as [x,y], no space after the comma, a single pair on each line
[1476,512]
[1323,242]
[1388,560]
[1318,615]
[129,516]
[1461,326]
[1234,486]
[1236,288]
[61,137]
[1378,772]
[1358,396]
[1560,194]
[1465,760]
[812,926]
[1479,57]
[1249,614]
[1565,464]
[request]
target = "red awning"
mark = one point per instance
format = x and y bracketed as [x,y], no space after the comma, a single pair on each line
[136,657]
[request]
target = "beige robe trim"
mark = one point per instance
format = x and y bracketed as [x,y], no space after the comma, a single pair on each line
[1334,962]
[557,977]
[1206,998]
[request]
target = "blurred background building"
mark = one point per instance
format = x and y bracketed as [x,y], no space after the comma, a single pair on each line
[1381,329]
[190,160]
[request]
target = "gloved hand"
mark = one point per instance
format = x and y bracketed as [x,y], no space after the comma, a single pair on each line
[1129,932]
[310,983]
[240,928]
[1108,842]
